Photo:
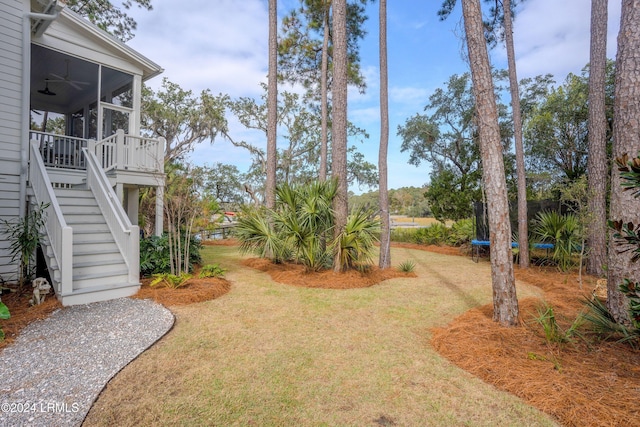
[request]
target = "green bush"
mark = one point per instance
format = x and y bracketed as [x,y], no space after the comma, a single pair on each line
[211,270]
[407,266]
[552,331]
[563,230]
[460,233]
[154,255]
[300,229]
[170,280]
[4,315]
[356,244]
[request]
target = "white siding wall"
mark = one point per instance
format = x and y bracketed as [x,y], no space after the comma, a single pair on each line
[10,119]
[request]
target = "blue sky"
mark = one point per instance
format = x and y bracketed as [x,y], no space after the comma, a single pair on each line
[221,45]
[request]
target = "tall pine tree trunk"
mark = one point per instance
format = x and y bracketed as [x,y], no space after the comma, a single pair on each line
[272,105]
[523,226]
[324,93]
[339,118]
[597,163]
[505,302]
[626,140]
[385,250]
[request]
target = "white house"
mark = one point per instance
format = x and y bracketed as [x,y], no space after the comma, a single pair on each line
[89,169]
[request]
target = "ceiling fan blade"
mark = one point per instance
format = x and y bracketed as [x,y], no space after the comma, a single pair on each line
[57,76]
[74,84]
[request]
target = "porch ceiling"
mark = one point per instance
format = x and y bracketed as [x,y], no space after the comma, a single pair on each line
[74,81]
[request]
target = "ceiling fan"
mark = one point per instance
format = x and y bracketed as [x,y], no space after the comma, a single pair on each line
[77,84]
[46,90]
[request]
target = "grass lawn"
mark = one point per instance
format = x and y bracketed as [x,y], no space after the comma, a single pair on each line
[269,354]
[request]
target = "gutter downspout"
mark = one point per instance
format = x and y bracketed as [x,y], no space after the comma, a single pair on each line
[26,95]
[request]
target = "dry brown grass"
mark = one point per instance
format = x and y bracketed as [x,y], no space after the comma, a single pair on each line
[273,354]
[295,274]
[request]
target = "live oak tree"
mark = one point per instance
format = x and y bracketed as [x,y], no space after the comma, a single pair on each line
[385,226]
[626,136]
[183,119]
[597,128]
[299,135]
[447,138]
[505,302]
[556,130]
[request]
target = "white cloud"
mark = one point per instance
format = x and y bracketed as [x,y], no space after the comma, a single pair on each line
[219,45]
[552,36]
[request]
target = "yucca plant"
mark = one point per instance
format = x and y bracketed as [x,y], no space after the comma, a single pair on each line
[407,266]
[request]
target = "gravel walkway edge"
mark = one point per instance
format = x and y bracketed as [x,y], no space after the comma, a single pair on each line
[57,367]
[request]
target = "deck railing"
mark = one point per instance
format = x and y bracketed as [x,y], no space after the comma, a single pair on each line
[126,235]
[60,151]
[118,151]
[60,235]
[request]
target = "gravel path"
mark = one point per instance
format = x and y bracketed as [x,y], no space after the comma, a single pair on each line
[56,368]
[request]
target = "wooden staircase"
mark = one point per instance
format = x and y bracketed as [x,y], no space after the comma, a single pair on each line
[99,269]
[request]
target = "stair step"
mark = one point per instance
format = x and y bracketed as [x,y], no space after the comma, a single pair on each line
[87,248]
[73,219]
[97,229]
[94,280]
[98,263]
[73,192]
[99,293]
[99,270]
[81,210]
[87,237]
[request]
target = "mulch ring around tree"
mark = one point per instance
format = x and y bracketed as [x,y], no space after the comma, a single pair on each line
[578,383]
[295,275]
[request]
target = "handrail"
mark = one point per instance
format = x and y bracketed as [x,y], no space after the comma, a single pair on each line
[60,151]
[59,233]
[118,151]
[106,151]
[126,235]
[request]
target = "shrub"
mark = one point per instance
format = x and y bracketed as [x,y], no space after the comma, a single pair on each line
[154,255]
[407,266]
[461,232]
[561,230]
[171,280]
[4,315]
[603,323]
[356,244]
[300,229]
[552,331]
[24,237]
[211,270]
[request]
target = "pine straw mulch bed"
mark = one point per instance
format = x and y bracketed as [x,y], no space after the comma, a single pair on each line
[22,313]
[580,384]
[193,291]
[295,274]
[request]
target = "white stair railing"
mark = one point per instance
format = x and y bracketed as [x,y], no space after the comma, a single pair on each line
[106,152]
[60,235]
[126,235]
